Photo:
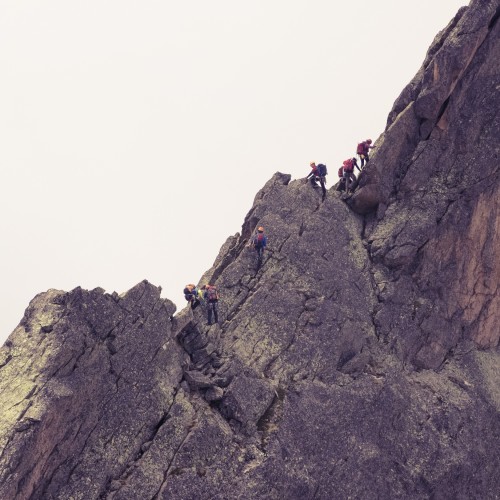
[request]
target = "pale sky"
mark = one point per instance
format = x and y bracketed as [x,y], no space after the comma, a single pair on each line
[135,135]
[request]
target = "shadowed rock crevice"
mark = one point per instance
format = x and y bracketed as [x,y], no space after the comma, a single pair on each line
[494,19]
[444,176]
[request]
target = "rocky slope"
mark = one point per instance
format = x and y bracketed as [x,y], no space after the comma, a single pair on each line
[435,174]
[360,361]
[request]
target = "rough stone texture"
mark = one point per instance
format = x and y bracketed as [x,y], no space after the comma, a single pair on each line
[435,238]
[360,361]
[86,379]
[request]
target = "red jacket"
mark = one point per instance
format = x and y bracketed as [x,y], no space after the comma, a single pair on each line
[366,147]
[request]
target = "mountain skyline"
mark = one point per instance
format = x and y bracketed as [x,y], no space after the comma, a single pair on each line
[129,129]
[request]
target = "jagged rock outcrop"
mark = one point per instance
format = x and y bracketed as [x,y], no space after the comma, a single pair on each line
[433,240]
[86,381]
[359,361]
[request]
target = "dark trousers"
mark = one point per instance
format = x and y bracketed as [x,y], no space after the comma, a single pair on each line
[321,181]
[212,309]
[364,157]
[193,301]
[349,178]
[323,187]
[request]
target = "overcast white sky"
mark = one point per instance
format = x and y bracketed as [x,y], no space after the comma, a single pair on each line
[135,135]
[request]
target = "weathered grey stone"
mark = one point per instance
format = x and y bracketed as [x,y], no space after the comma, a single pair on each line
[197,380]
[84,411]
[359,361]
[246,399]
[440,217]
[214,393]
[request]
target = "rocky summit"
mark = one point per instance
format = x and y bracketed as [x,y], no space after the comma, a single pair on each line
[360,360]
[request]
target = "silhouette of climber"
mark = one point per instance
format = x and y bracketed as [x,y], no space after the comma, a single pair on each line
[211,295]
[348,172]
[363,151]
[318,173]
[259,242]
[191,295]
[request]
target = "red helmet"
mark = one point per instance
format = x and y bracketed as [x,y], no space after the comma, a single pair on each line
[369,141]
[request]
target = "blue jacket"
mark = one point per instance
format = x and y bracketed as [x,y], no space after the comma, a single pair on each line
[263,242]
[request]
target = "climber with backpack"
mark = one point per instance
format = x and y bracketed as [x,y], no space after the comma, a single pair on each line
[341,183]
[211,295]
[363,151]
[259,242]
[348,172]
[191,294]
[318,173]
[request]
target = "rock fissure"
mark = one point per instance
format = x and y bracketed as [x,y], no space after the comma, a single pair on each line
[171,462]
[143,447]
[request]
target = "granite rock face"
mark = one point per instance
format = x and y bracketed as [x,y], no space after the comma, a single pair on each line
[82,389]
[434,236]
[359,361]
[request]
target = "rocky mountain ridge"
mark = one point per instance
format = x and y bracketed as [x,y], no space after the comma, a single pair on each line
[360,361]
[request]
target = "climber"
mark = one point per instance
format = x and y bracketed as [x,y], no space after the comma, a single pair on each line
[363,150]
[259,242]
[318,173]
[312,175]
[211,295]
[191,294]
[341,183]
[348,172]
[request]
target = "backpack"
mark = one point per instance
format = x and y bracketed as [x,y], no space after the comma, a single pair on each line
[341,172]
[348,165]
[259,240]
[322,170]
[212,293]
[361,148]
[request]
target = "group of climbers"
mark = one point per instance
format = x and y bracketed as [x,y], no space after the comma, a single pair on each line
[207,295]
[345,172]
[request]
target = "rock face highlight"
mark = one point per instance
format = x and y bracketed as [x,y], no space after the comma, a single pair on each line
[359,361]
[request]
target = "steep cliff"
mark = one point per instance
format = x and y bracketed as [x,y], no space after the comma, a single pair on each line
[435,173]
[359,361]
